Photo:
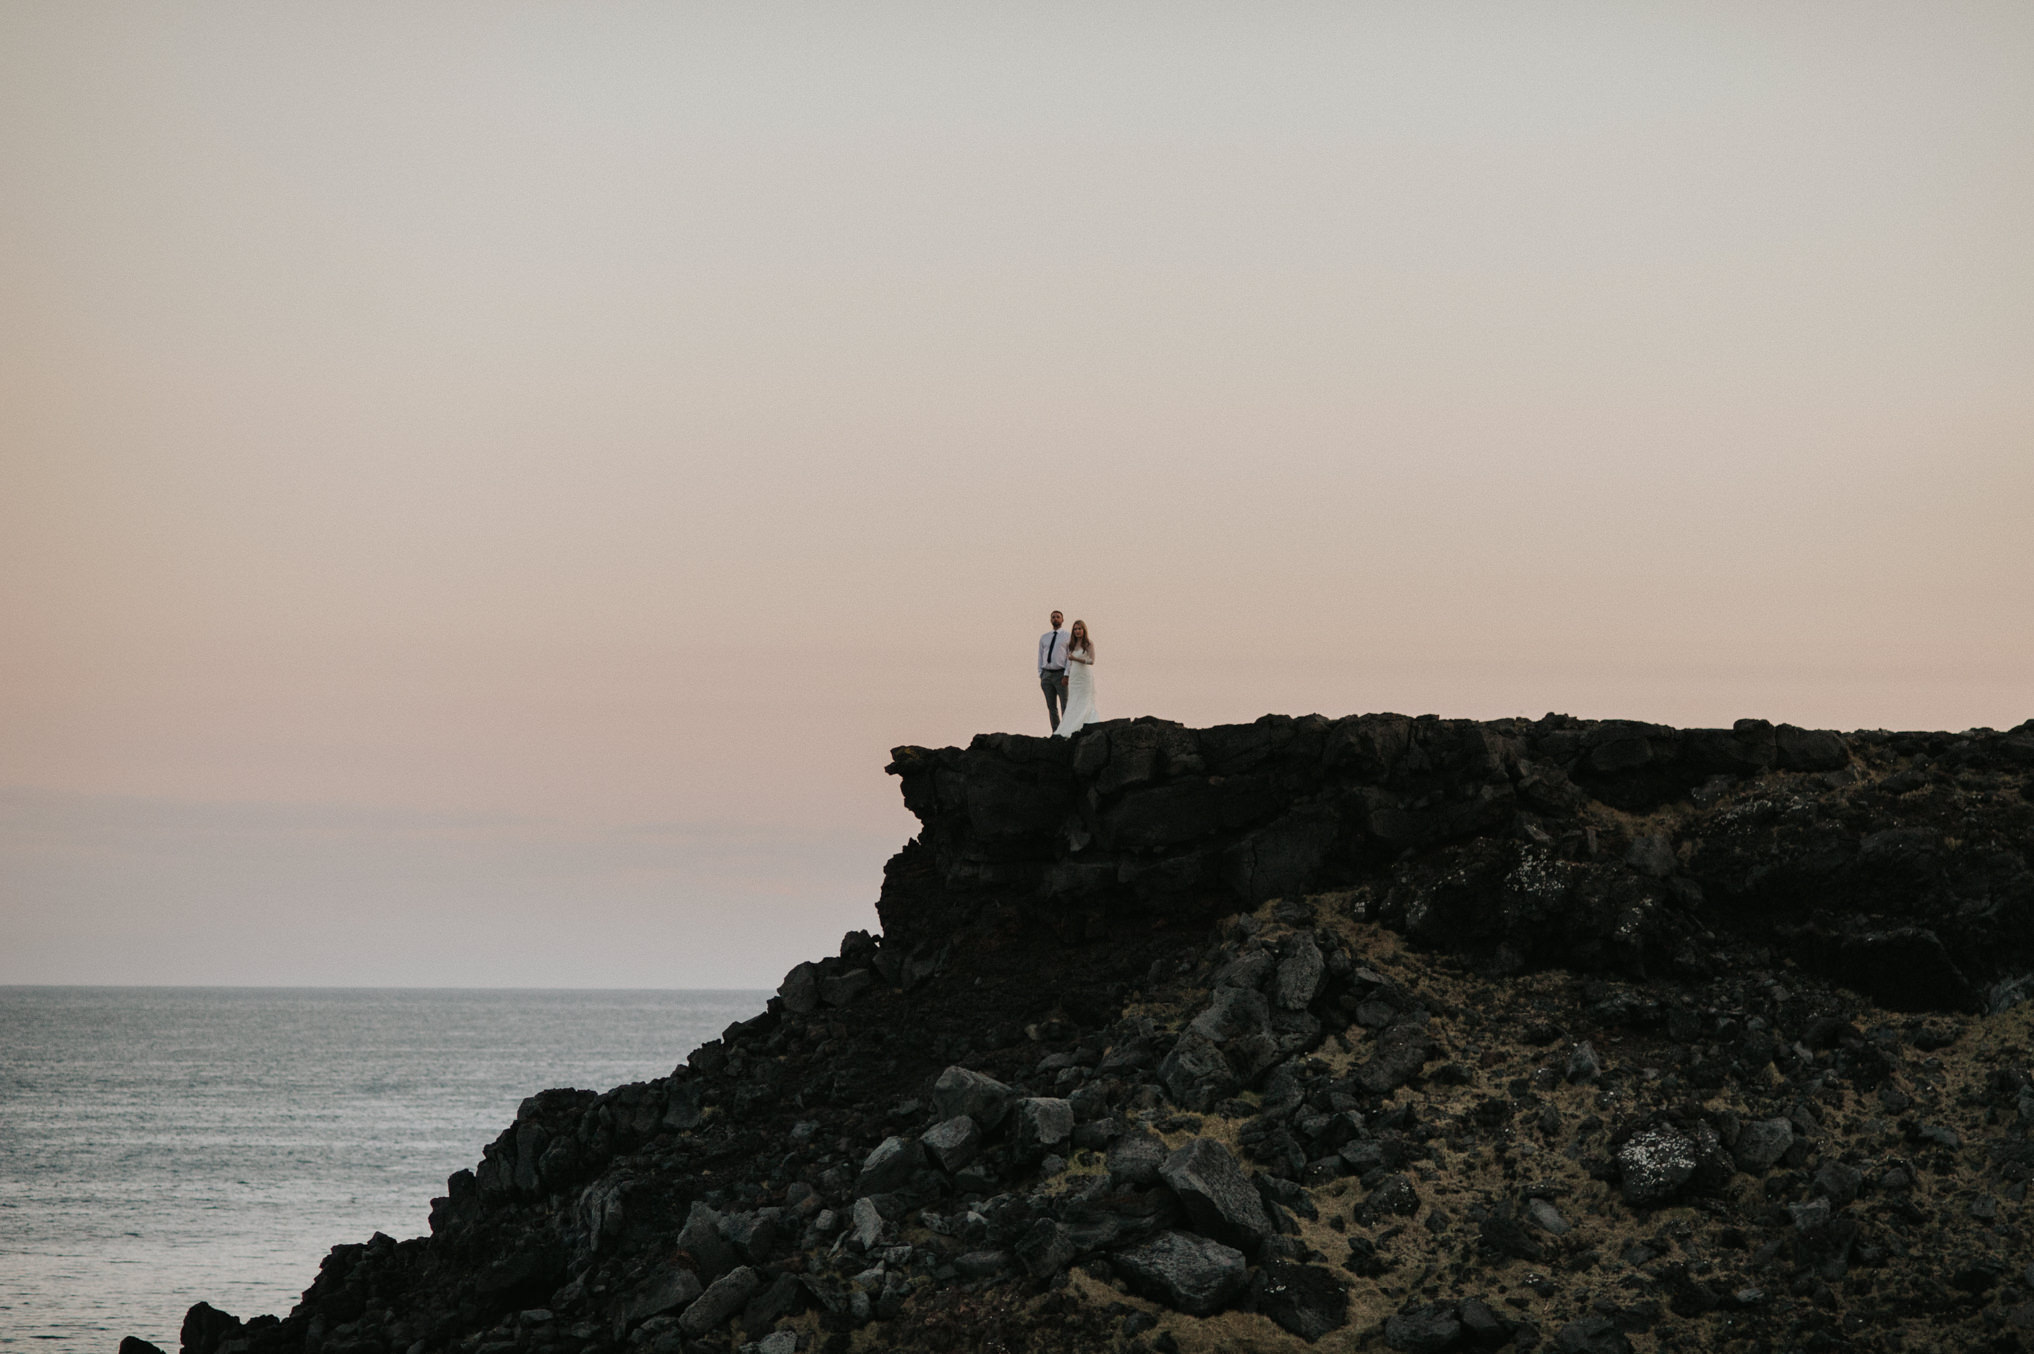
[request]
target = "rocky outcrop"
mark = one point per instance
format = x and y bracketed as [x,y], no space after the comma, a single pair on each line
[1896,864]
[1438,1034]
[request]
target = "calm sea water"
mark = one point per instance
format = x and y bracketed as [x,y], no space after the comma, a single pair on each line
[162,1145]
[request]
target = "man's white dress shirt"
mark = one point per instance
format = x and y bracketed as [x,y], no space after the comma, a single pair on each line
[1052,651]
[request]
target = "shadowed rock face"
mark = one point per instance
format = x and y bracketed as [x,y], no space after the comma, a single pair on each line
[1141,1030]
[1896,864]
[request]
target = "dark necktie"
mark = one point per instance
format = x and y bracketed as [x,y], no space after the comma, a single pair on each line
[1051,648]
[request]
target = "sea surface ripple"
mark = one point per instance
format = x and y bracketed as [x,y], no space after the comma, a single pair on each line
[162,1145]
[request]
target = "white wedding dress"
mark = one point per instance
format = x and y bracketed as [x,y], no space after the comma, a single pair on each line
[1080,698]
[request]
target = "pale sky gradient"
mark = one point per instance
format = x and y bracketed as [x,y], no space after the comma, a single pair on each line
[482,487]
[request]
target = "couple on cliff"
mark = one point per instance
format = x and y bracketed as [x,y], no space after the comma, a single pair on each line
[1066,669]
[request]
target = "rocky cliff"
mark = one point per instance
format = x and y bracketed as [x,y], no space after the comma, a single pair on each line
[1409,1033]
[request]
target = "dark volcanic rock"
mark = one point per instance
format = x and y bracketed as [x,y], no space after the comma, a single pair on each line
[1305,936]
[1221,1203]
[722,1299]
[800,989]
[1423,1330]
[1046,1247]
[1591,1335]
[1395,1194]
[953,1142]
[1655,1164]
[1305,1299]
[1137,1158]
[982,1098]
[1837,1182]
[1042,1124]
[1192,1274]
[1845,910]
[1402,1052]
[890,1166]
[666,1292]
[1906,967]
[1196,1073]
[1299,974]
[700,1240]
[205,1327]
[1762,1143]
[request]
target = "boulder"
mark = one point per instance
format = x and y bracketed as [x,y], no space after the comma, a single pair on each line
[1654,1164]
[842,988]
[1232,1013]
[1045,1248]
[953,1142]
[1809,1215]
[1745,749]
[783,1296]
[682,1107]
[205,1326]
[1399,1055]
[755,1235]
[1810,749]
[1252,969]
[134,1344]
[1501,1234]
[800,989]
[982,1264]
[1192,1274]
[889,1166]
[1136,1158]
[1481,1325]
[1294,1032]
[1196,1074]
[1652,854]
[660,1293]
[1592,1335]
[701,1238]
[709,1059]
[722,1299]
[1905,967]
[982,1098]
[1251,1053]
[1218,1200]
[1395,1194]
[865,1222]
[523,1277]
[601,1214]
[1583,1064]
[1304,1299]
[1838,1182]
[1762,1143]
[1115,1221]
[1299,973]
[1090,1100]
[1423,1330]
[1042,1124]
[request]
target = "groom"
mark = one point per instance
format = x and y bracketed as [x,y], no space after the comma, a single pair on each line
[1052,670]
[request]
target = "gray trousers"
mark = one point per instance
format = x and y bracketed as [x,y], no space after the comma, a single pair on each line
[1055,694]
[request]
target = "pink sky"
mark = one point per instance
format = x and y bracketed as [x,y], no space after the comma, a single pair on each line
[483,487]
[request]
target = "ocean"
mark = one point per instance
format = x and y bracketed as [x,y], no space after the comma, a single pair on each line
[164,1145]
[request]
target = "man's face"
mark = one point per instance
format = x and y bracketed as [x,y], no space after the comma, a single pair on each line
[1055,620]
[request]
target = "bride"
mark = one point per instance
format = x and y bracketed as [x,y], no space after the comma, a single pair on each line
[1080,683]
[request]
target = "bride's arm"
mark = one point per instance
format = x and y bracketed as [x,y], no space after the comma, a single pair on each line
[1075,657]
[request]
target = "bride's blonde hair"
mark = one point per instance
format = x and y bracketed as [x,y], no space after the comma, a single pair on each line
[1080,639]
